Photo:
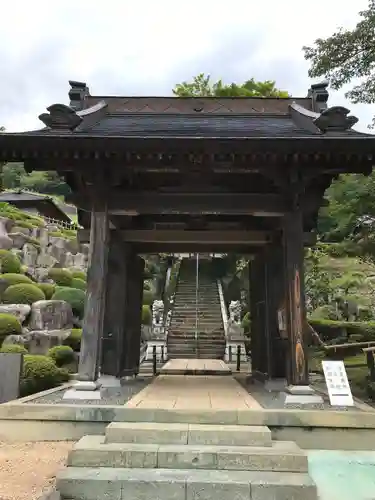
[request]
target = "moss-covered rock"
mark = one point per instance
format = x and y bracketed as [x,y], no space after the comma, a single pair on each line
[74,297]
[9,262]
[23,293]
[9,325]
[62,277]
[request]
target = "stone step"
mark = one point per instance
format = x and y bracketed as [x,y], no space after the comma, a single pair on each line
[93,451]
[192,434]
[112,483]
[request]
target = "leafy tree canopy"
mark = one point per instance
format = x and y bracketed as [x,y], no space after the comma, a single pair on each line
[202,86]
[347,55]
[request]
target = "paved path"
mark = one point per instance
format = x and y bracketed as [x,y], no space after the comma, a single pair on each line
[194,392]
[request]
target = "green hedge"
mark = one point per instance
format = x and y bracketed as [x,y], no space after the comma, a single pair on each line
[146,315]
[74,339]
[78,274]
[39,374]
[62,277]
[330,330]
[148,297]
[9,262]
[61,355]
[74,297]
[48,289]
[15,279]
[14,348]
[23,293]
[78,283]
[9,325]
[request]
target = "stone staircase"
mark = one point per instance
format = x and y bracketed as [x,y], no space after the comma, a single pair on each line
[179,461]
[182,341]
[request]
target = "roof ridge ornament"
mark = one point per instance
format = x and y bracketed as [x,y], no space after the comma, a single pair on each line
[319,96]
[77,94]
[335,119]
[60,117]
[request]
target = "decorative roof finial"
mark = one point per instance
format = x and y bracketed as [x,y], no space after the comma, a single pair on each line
[60,117]
[335,119]
[319,96]
[77,94]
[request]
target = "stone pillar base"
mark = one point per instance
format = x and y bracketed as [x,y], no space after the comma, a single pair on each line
[301,396]
[275,385]
[84,390]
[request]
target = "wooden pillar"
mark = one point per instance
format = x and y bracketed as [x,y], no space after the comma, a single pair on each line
[131,339]
[295,311]
[114,319]
[92,329]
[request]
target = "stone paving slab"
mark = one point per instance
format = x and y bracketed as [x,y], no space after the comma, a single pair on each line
[194,392]
[195,367]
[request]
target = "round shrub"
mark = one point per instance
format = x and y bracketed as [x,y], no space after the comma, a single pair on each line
[23,293]
[9,262]
[15,279]
[246,323]
[78,274]
[61,277]
[78,283]
[39,374]
[61,354]
[9,325]
[48,289]
[148,297]
[74,297]
[74,339]
[146,315]
[14,348]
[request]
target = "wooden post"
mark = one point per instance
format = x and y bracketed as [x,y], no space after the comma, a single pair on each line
[92,329]
[114,318]
[131,340]
[297,372]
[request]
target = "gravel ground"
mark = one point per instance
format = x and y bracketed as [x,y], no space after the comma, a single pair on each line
[109,396]
[27,470]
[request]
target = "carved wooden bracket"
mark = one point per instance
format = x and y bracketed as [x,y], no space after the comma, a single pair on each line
[60,117]
[335,119]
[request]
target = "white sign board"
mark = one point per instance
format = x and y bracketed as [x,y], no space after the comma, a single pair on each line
[339,391]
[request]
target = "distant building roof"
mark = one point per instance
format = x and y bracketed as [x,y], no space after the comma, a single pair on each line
[44,204]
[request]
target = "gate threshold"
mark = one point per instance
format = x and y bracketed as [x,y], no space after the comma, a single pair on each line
[195,367]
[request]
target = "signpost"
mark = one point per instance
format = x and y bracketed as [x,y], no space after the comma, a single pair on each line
[339,391]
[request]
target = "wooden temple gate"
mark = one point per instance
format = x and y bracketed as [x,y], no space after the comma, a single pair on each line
[166,174]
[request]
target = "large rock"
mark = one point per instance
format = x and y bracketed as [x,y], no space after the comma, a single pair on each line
[51,315]
[19,239]
[20,311]
[40,341]
[5,242]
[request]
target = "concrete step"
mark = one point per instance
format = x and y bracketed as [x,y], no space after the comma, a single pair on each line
[192,434]
[93,451]
[84,483]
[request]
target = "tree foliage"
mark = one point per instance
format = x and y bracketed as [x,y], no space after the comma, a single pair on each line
[347,55]
[14,176]
[202,86]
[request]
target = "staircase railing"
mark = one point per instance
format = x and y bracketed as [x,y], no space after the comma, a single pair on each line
[223,307]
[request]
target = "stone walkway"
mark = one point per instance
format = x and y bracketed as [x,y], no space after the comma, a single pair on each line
[194,392]
[195,367]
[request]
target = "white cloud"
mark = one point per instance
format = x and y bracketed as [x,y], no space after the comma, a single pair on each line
[145,47]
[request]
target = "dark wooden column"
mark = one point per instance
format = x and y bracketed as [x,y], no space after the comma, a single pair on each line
[114,319]
[294,304]
[92,329]
[275,295]
[131,340]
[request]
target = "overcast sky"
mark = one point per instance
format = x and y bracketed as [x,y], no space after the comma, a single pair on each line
[145,47]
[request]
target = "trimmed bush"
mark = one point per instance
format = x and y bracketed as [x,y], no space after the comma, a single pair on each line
[78,283]
[9,325]
[39,374]
[61,277]
[9,262]
[15,279]
[23,293]
[74,339]
[48,289]
[246,323]
[330,330]
[148,297]
[79,274]
[74,297]
[146,315]
[14,348]
[61,355]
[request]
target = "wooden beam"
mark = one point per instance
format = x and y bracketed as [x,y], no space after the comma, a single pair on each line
[196,237]
[131,203]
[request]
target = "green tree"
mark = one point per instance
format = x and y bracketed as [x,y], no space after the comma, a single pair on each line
[347,55]
[202,86]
